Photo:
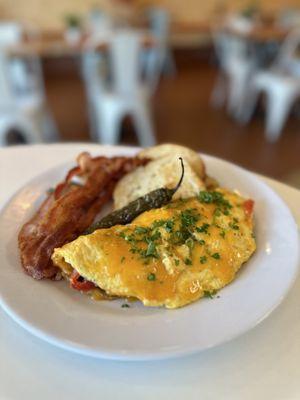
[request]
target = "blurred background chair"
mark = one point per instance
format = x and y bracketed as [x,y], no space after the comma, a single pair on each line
[236,66]
[281,86]
[159,59]
[121,92]
[23,100]
[16,115]
[11,34]
[98,21]
[95,75]
[289,18]
[241,23]
[247,36]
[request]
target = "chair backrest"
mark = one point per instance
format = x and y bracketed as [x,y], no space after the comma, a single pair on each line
[289,51]
[6,92]
[239,23]
[94,67]
[10,34]
[99,22]
[289,18]
[124,53]
[93,70]
[229,47]
[230,39]
[159,20]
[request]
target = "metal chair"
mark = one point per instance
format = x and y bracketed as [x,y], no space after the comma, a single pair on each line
[237,63]
[22,91]
[159,59]
[122,93]
[281,86]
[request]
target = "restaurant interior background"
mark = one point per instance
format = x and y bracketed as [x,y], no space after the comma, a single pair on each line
[220,76]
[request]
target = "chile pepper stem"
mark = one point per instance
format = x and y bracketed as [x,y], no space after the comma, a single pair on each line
[182,175]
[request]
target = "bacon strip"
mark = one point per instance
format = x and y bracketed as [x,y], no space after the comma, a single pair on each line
[70,210]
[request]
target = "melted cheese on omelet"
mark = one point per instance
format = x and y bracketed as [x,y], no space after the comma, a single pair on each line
[170,256]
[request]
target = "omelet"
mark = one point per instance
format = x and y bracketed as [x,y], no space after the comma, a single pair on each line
[170,256]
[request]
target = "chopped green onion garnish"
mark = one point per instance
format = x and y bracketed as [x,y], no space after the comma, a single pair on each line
[216,256]
[151,277]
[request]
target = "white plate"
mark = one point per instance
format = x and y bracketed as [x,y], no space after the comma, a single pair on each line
[64,317]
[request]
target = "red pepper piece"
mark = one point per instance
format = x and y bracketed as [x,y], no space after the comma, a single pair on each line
[248,207]
[79,283]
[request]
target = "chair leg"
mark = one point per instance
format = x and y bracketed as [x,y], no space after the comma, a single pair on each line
[278,109]
[3,132]
[92,121]
[153,64]
[49,127]
[247,108]
[108,126]
[170,65]
[144,126]
[27,126]
[30,129]
[236,93]
[218,96]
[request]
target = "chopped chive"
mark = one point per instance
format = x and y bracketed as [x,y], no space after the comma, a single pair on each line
[157,224]
[169,225]
[140,230]
[156,235]
[151,277]
[209,293]
[188,218]
[203,259]
[133,250]
[190,243]
[203,228]
[217,212]
[234,226]
[151,250]
[205,197]
[213,197]
[216,256]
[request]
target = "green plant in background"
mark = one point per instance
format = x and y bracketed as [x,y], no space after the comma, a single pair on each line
[72,21]
[251,10]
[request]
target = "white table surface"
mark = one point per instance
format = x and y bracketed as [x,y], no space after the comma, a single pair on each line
[262,364]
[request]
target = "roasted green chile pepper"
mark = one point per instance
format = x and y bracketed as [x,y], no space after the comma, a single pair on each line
[155,199]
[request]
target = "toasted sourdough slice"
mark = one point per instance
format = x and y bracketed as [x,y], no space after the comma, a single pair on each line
[175,150]
[163,171]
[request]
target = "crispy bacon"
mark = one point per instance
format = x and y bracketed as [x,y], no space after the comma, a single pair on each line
[69,210]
